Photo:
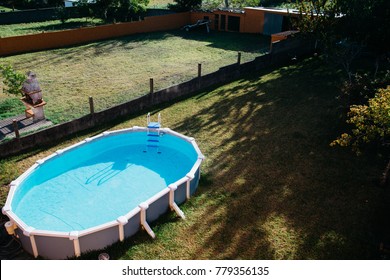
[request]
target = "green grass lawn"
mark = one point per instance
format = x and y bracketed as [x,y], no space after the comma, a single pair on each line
[115,71]
[271,186]
[5,9]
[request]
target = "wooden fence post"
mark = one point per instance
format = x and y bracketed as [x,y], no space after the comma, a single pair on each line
[151,85]
[16,128]
[199,70]
[239,58]
[91,105]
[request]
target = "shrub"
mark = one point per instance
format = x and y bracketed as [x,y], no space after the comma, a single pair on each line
[12,80]
[185,5]
[370,123]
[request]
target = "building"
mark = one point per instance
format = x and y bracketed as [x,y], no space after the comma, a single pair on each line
[73,3]
[261,20]
[70,3]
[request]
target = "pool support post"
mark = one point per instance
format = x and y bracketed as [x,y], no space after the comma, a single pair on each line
[74,235]
[172,203]
[29,232]
[188,185]
[122,221]
[144,223]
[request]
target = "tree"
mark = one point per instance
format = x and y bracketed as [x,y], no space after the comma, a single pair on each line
[214,4]
[370,123]
[62,13]
[103,6]
[120,9]
[359,22]
[55,3]
[366,21]
[344,28]
[185,5]
[85,8]
[12,79]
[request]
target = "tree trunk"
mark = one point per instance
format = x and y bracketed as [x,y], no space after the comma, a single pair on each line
[385,176]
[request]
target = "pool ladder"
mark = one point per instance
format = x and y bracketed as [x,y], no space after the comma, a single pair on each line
[153,133]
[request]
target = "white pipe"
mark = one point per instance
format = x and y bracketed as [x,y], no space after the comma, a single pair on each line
[174,133]
[139,128]
[172,203]
[59,234]
[144,223]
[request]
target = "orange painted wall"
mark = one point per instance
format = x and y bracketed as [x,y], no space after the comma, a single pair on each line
[254,21]
[195,16]
[42,41]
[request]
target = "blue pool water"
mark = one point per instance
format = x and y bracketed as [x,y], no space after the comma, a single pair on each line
[100,181]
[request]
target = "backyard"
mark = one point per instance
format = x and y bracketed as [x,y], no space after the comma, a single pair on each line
[7,30]
[115,71]
[271,186]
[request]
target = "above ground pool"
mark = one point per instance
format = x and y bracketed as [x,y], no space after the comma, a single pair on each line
[102,190]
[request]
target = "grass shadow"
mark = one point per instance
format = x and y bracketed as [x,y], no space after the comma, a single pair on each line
[60,26]
[271,186]
[229,41]
[284,193]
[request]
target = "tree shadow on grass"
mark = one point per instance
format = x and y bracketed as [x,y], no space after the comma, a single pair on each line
[220,40]
[229,41]
[272,188]
[62,26]
[75,53]
[282,192]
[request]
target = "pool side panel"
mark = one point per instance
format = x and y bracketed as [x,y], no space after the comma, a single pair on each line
[133,225]
[99,239]
[25,240]
[157,208]
[194,182]
[54,248]
[180,193]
